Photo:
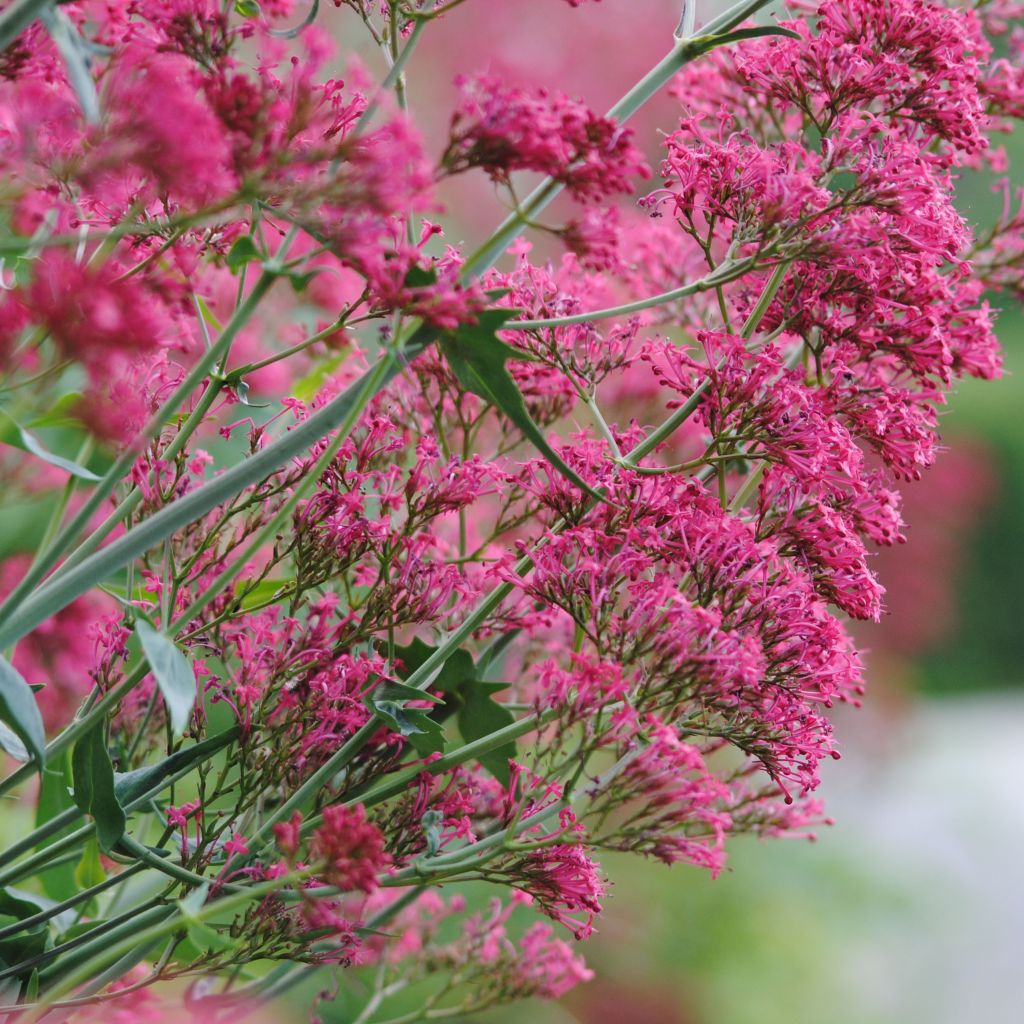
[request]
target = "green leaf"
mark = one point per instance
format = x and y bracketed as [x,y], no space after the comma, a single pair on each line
[89,872]
[457,670]
[58,881]
[25,944]
[207,939]
[17,16]
[390,689]
[243,251]
[61,414]
[299,279]
[18,437]
[207,314]
[704,44]
[93,777]
[200,934]
[420,277]
[432,822]
[10,742]
[422,731]
[241,389]
[479,717]
[477,358]
[306,388]
[74,50]
[247,8]
[258,594]
[19,710]
[173,674]
[131,786]
[468,696]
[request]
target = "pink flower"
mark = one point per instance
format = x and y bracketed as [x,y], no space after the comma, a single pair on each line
[503,129]
[350,848]
[566,884]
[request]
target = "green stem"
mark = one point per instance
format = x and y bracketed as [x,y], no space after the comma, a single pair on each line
[685,51]
[53,596]
[131,500]
[80,897]
[18,16]
[288,352]
[10,609]
[722,274]
[164,774]
[393,76]
[113,951]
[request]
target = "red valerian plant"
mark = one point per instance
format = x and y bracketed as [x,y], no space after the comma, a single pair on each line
[366,565]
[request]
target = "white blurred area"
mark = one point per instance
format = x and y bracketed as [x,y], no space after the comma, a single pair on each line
[936,829]
[909,910]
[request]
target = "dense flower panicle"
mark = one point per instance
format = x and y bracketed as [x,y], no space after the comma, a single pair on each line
[520,592]
[350,848]
[565,883]
[503,130]
[914,63]
[759,193]
[93,315]
[679,805]
[536,965]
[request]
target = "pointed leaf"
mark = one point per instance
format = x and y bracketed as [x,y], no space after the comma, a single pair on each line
[479,717]
[10,743]
[131,786]
[432,822]
[17,16]
[25,944]
[241,389]
[407,721]
[18,437]
[93,777]
[73,50]
[58,880]
[61,413]
[477,358]
[390,689]
[452,674]
[241,252]
[705,44]
[306,388]
[173,674]
[89,869]
[19,710]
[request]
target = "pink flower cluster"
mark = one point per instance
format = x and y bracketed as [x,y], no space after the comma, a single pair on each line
[602,513]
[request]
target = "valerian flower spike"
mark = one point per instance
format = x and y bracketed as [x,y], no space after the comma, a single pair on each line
[516,553]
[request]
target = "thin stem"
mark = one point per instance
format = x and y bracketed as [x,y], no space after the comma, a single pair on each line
[159,930]
[723,274]
[123,463]
[79,897]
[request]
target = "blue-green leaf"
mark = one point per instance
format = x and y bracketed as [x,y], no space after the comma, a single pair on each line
[243,251]
[58,880]
[477,357]
[173,675]
[415,724]
[19,710]
[18,437]
[93,777]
